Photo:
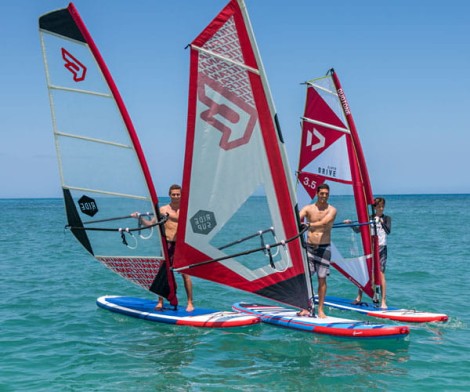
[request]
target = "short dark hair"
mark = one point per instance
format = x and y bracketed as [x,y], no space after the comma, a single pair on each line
[379,200]
[174,186]
[323,186]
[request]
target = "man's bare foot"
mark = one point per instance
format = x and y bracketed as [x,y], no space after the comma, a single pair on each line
[303,313]
[189,307]
[159,306]
[383,305]
[321,314]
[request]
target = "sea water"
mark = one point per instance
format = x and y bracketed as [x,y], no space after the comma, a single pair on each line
[54,338]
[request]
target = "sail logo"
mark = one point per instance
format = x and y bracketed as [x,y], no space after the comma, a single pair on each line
[203,222]
[226,112]
[87,205]
[329,171]
[77,69]
[320,140]
[344,101]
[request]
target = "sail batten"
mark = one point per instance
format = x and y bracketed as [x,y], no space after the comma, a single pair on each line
[323,124]
[94,140]
[102,192]
[321,88]
[76,90]
[226,59]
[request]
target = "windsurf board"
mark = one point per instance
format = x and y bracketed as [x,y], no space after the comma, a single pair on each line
[145,309]
[333,326]
[391,313]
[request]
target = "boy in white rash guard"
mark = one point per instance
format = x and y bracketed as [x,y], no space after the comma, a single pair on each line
[383,224]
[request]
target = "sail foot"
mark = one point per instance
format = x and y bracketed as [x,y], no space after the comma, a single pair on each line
[291,291]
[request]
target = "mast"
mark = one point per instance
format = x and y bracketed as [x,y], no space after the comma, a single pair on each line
[361,184]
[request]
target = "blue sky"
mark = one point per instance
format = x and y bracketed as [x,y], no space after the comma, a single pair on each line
[404,65]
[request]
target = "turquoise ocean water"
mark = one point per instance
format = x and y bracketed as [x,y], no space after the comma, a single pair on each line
[54,338]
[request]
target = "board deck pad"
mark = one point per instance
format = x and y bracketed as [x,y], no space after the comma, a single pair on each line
[199,317]
[391,313]
[333,326]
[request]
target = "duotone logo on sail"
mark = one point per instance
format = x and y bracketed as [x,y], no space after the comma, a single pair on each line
[320,143]
[344,101]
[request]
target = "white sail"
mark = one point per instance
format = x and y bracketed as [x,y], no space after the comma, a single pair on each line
[103,171]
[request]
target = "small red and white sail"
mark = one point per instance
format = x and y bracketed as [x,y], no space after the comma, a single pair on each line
[103,171]
[331,152]
[237,197]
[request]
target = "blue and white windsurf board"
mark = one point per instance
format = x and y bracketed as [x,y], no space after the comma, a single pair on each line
[145,309]
[333,326]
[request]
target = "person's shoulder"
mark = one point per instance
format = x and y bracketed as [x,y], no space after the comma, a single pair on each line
[164,208]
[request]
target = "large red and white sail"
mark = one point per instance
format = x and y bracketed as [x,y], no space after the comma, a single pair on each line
[331,152]
[103,171]
[237,196]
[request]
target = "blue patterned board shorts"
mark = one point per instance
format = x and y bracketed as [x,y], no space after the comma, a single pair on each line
[319,257]
[383,257]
